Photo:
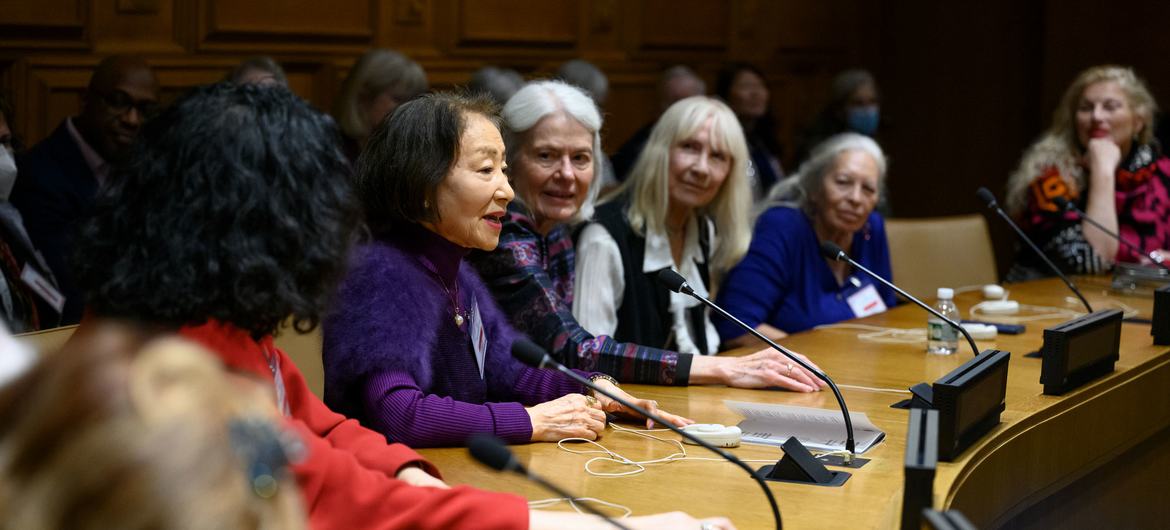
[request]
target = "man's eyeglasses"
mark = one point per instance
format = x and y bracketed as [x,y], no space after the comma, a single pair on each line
[121,103]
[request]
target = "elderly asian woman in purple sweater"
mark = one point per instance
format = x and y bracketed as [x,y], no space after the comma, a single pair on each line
[415,346]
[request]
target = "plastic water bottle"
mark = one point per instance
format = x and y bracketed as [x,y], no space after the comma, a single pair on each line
[941,337]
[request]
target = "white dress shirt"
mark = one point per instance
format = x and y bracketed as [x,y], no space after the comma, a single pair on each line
[600,282]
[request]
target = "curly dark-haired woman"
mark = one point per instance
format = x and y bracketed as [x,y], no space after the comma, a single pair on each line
[233,215]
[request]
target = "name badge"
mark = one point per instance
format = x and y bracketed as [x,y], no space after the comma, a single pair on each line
[39,285]
[866,302]
[478,337]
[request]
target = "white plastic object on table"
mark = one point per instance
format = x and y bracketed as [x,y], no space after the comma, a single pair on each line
[992,291]
[981,331]
[714,434]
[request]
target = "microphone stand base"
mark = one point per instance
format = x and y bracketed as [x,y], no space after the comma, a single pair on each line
[800,467]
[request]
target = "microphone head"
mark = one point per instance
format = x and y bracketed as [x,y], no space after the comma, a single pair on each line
[987,197]
[674,281]
[1061,202]
[832,251]
[528,352]
[491,452]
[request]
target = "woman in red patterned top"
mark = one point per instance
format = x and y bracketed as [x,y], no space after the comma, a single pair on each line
[1099,154]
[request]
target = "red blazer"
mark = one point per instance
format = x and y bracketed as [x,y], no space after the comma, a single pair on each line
[348,476]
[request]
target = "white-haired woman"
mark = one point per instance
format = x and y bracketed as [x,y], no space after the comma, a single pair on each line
[378,83]
[551,133]
[689,184]
[1099,154]
[783,285]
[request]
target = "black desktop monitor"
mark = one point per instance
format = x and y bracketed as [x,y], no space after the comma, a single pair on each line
[969,401]
[1080,350]
[921,461]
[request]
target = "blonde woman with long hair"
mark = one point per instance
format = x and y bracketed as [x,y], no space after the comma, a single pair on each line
[686,206]
[1099,154]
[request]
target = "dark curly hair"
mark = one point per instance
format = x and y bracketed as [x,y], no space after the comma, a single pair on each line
[235,206]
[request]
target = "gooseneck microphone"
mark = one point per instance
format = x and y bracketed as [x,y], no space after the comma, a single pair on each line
[833,252]
[1065,204]
[986,196]
[491,452]
[532,355]
[676,283]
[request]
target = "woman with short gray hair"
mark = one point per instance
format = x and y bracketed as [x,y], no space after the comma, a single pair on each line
[783,285]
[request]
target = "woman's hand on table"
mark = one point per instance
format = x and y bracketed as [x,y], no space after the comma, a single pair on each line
[569,416]
[651,406]
[766,368]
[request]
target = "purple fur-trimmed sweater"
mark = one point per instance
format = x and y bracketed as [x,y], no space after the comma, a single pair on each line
[396,361]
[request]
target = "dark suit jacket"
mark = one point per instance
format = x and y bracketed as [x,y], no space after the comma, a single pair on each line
[54,191]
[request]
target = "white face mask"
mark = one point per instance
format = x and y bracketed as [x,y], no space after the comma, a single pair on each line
[7,173]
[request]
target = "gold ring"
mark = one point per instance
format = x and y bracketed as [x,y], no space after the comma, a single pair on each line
[592,400]
[789,369]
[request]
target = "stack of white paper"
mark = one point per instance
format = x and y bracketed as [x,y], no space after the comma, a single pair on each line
[818,429]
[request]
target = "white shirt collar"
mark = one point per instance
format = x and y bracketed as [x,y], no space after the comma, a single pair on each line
[657,256]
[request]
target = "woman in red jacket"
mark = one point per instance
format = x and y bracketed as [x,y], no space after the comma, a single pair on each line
[233,216]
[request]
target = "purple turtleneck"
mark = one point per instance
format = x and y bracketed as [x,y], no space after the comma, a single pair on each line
[396,360]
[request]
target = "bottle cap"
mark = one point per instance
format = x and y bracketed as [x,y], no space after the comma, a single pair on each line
[946,293]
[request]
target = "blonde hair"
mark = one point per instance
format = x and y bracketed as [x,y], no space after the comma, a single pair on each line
[97,436]
[376,71]
[544,98]
[1059,146]
[648,185]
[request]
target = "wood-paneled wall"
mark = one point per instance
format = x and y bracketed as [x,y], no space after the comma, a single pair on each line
[966,86]
[48,47]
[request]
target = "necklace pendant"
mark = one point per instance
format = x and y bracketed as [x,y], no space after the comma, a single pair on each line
[458,320]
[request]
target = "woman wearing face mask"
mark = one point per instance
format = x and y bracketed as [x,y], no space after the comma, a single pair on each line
[415,346]
[854,106]
[551,132]
[685,207]
[29,299]
[1100,155]
[784,285]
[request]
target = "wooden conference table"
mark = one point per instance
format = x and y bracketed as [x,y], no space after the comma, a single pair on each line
[1093,458]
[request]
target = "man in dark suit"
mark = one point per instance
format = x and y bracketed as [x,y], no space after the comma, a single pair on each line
[60,175]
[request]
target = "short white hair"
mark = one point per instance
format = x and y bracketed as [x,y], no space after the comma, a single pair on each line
[539,99]
[802,189]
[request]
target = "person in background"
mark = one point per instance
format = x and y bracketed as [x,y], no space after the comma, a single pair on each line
[29,299]
[378,83]
[677,82]
[551,131]
[854,106]
[60,175]
[499,84]
[1099,154]
[586,76]
[114,433]
[743,87]
[784,285]
[414,345]
[258,70]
